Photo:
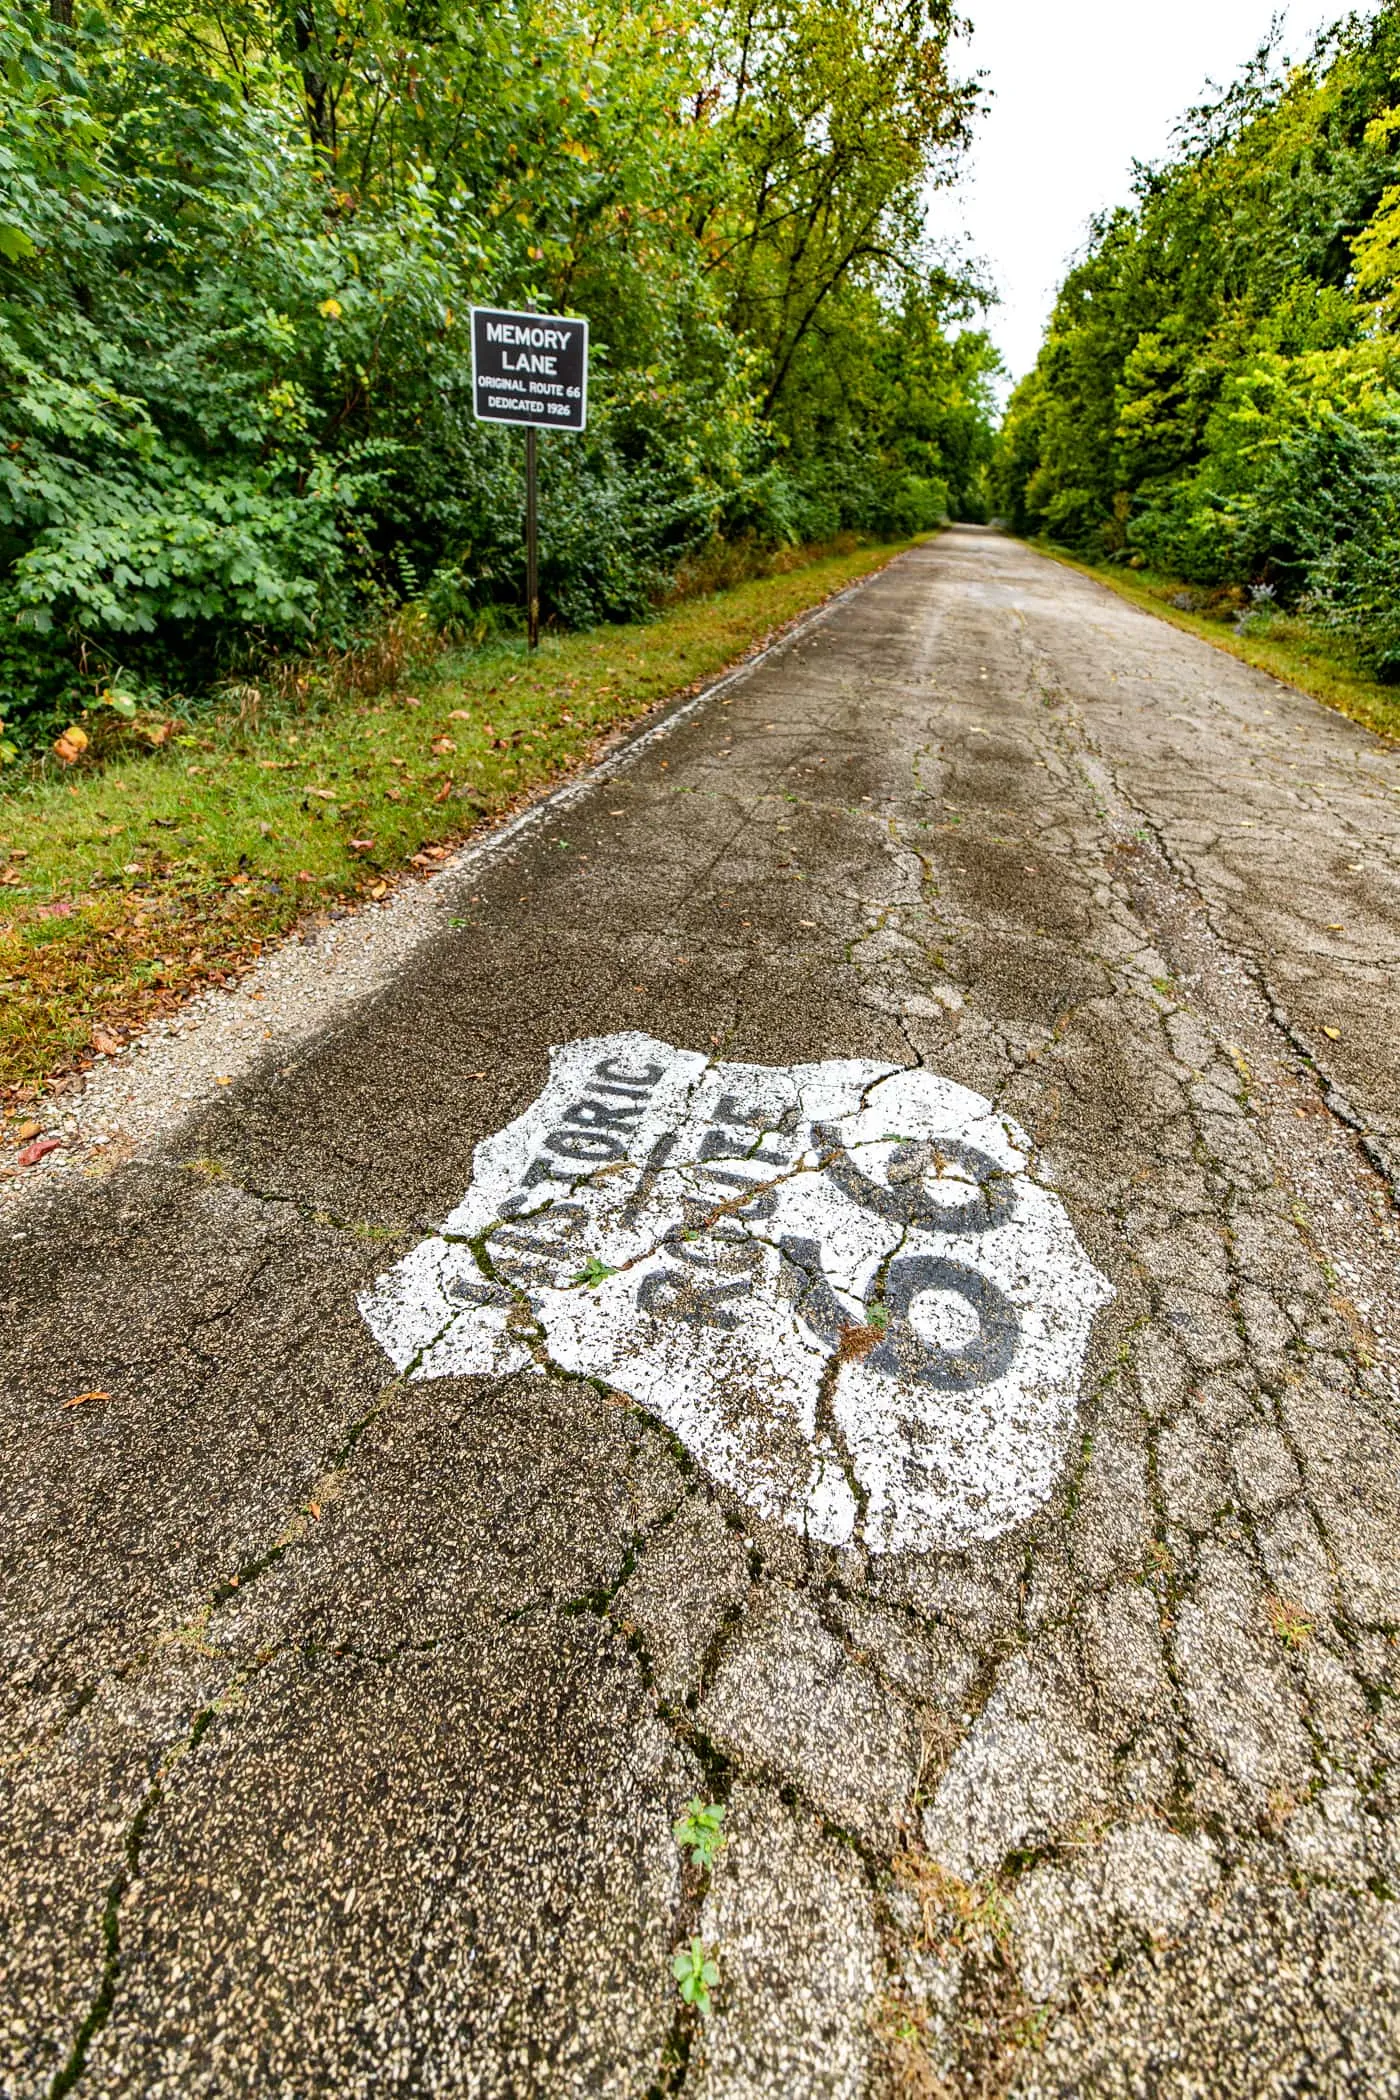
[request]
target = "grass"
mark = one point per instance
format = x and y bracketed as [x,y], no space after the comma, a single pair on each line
[1280,643]
[128,883]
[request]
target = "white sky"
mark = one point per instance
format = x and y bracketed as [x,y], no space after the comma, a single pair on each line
[1080,90]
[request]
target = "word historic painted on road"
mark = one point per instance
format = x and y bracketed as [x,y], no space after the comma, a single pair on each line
[530,368]
[839,1284]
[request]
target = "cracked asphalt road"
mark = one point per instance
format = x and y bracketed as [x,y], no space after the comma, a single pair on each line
[346,1718]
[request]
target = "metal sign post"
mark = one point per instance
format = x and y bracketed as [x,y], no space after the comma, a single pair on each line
[530,369]
[532,543]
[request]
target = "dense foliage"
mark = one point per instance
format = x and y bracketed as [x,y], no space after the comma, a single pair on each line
[1218,394]
[238,245]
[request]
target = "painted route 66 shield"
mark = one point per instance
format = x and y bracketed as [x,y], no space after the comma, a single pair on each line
[841,1284]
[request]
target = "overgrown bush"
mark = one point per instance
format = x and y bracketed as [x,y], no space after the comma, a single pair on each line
[237,253]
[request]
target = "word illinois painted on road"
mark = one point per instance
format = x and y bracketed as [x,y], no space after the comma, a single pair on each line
[529,368]
[841,1284]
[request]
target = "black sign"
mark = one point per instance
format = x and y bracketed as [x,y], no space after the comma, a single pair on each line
[530,368]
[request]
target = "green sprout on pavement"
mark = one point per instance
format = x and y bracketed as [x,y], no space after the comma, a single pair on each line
[593,1272]
[697,1972]
[879,1317]
[698,1831]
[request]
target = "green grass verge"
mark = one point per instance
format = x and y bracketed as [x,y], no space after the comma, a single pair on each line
[128,883]
[1316,662]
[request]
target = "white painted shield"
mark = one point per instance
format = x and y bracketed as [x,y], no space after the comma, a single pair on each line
[839,1284]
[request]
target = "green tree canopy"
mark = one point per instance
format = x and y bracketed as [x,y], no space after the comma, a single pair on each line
[1218,393]
[237,248]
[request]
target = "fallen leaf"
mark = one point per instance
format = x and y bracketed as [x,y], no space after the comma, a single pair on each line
[442,745]
[360,845]
[223,1079]
[313,1509]
[326,794]
[305,875]
[380,889]
[1336,929]
[28,1130]
[460,714]
[807,922]
[71,745]
[1333,1035]
[40,1149]
[104,1045]
[444,791]
[79,1398]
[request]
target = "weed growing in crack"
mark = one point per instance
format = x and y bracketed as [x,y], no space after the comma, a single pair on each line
[960,1913]
[910,2049]
[697,1973]
[1030,2030]
[1290,1624]
[1160,1559]
[699,1831]
[859,1338]
[593,1272]
[205,1169]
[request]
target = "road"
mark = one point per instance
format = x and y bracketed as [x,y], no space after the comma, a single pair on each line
[997,1512]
